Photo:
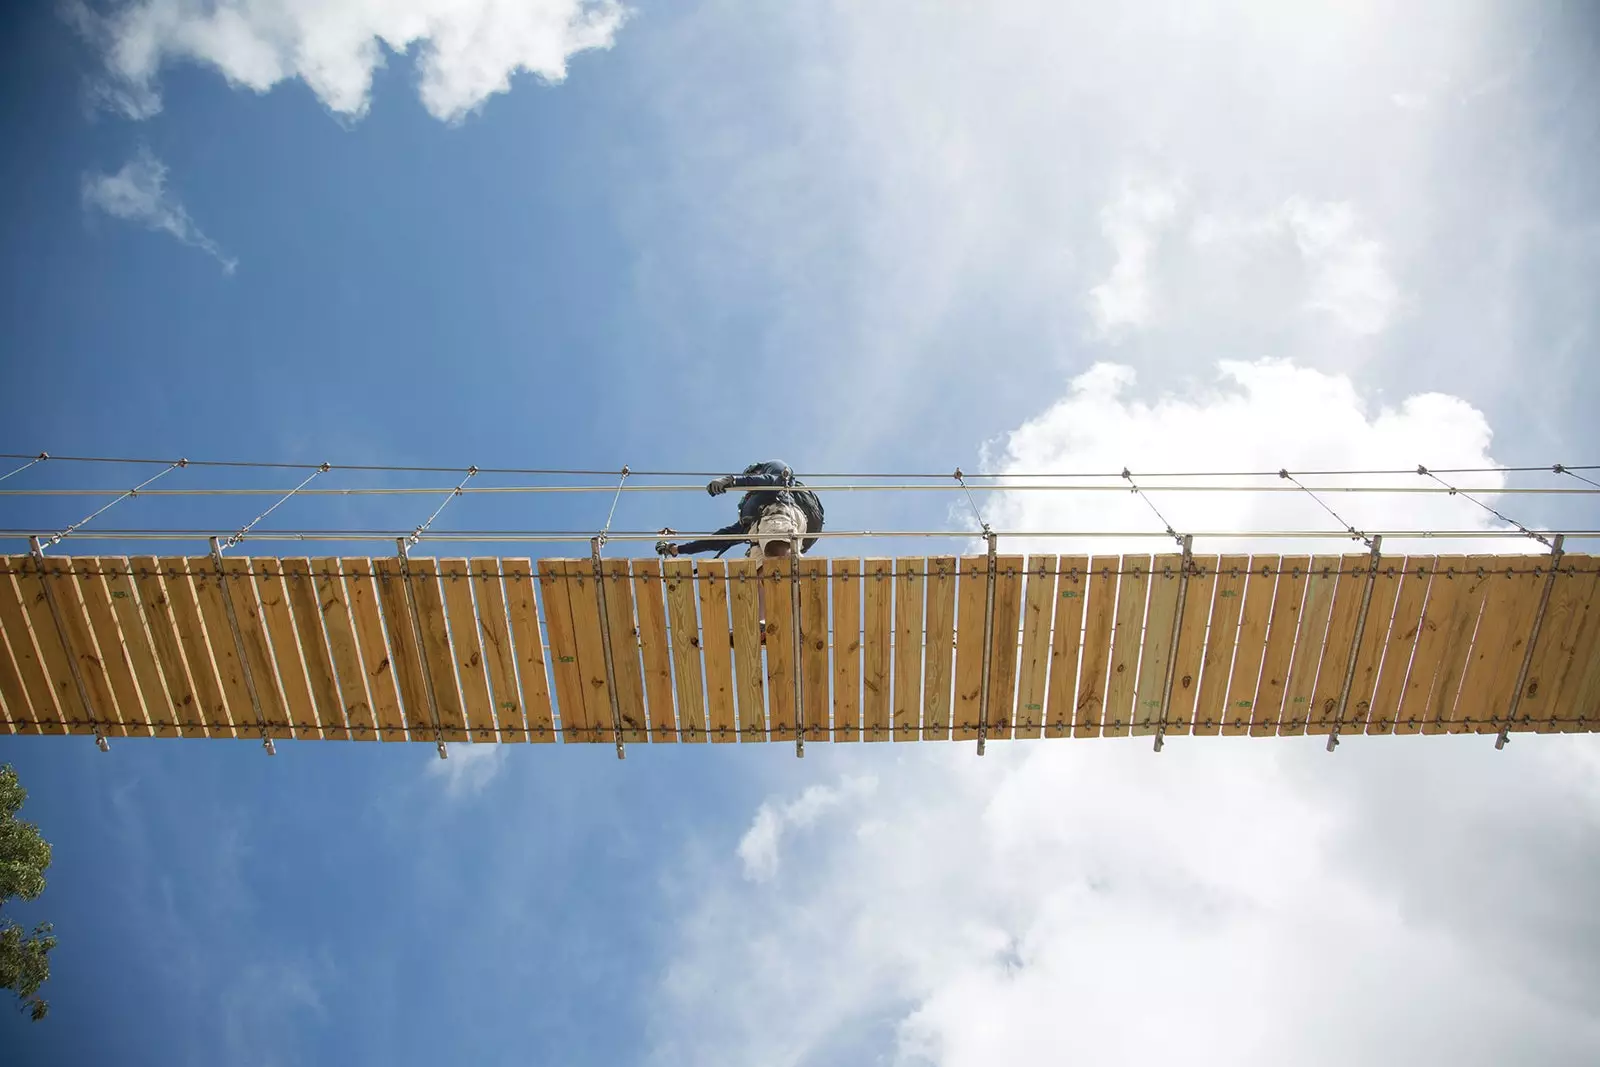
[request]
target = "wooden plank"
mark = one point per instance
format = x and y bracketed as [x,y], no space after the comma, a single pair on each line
[1033,668]
[938,647]
[779,641]
[1005,644]
[877,580]
[1445,588]
[467,650]
[334,606]
[18,709]
[1498,650]
[683,619]
[1070,594]
[133,716]
[1132,592]
[1399,643]
[712,587]
[1283,624]
[1581,711]
[1374,639]
[1099,625]
[910,581]
[1571,615]
[307,605]
[971,603]
[272,588]
[847,649]
[1349,589]
[1314,614]
[17,628]
[1460,627]
[499,654]
[240,584]
[617,587]
[564,667]
[81,645]
[656,652]
[405,658]
[53,654]
[162,598]
[362,589]
[1165,573]
[241,720]
[1191,643]
[814,667]
[591,650]
[743,577]
[1216,665]
[1255,614]
[528,646]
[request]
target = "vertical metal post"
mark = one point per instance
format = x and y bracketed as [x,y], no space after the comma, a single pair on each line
[238,647]
[799,643]
[422,652]
[1355,646]
[605,642]
[988,646]
[61,633]
[1172,649]
[1557,549]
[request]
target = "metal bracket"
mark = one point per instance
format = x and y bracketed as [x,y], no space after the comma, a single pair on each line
[238,647]
[72,657]
[988,645]
[1172,649]
[799,644]
[605,640]
[1557,549]
[422,653]
[1355,645]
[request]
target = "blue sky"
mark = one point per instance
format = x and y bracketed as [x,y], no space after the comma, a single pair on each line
[852,236]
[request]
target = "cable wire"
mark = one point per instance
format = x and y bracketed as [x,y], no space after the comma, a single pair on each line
[416,535]
[1561,469]
[1355,534]
[1503,518]
[1126,474]
[36,459]
[55,538]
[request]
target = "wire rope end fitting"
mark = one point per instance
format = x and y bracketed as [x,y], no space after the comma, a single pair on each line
[44,455]
[1421,469]
[183,462]
[101,743]
[444,753]
[325,468]
[266,743]
[1283,472]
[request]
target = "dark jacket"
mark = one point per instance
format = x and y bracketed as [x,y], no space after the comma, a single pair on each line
[768,483]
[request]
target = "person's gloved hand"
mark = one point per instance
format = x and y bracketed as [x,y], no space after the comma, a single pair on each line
[666,548]
[718,486]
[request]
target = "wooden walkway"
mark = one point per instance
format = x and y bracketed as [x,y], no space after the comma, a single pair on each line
[889,649]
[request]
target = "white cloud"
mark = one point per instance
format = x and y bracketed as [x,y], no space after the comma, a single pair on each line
[138,193]
[1132,225]
[758,849]
[468,50]
[469,769]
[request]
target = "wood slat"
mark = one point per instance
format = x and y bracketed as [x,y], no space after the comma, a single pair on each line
[1314,615]
[404,656]
[1283,624]
[938,647]
[1132,592]
[743,584]
[1255,614]
[564,668]
[1166,572]
[1100,614]
[847,649]
[1498,650]
[272,589]
[499,652]
[190,694]
[81,645]
[360,582]
[1191,643]
[1373,640]
[241,719]
[1349,589]
[684,622]
[334,606]
[1399,643]
[528,645]
[133,716]
[779,642]
[45,714]
[655,650]
[1445,587]
[1216,664]
[1005,642]
[1070,594]
[715,624]
[1569,618]
[618,590]
[591,651]
[1459,629]
[814,666]
[909,582]
[1033,665]
[307,606]
[1582,711]
[971,603]
[455,575]
[240,583]
[877,580]
[18,709]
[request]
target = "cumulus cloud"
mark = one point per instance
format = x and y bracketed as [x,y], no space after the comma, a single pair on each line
[469,769]
[759,847]
[467,51]
[1132,225]
[138,193]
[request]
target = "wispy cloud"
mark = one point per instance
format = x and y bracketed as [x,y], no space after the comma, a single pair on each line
[759,848]
[469,769]
[138,193]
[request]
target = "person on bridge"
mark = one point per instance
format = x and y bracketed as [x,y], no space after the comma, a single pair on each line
[774,511]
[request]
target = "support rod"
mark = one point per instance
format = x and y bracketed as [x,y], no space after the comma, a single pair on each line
[605,643]
[1355,645]
[799,644]
[72,657]
[1557,549]
[1172,649]
[422,653]
[238,646]
[988,645]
